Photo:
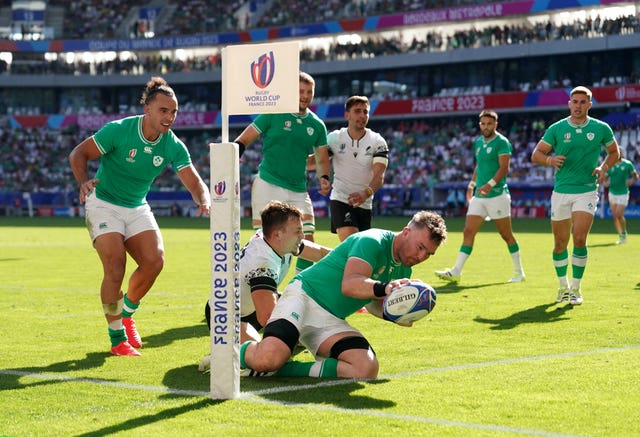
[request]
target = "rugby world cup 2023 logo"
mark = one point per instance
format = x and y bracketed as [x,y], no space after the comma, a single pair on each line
[263,70]
[220,188]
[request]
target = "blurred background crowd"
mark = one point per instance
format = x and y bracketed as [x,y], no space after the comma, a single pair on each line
[424,151]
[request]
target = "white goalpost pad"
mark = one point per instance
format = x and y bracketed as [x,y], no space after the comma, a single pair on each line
[225,271]
[256,79]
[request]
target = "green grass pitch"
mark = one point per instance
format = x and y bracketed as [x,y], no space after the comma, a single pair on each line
[492,359]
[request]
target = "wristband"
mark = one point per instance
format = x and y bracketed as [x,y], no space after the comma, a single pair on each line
[369,191]
[379,289]
[324,176]
[492,183]
[548,162]
[241,147]
[471,185]
[604,164]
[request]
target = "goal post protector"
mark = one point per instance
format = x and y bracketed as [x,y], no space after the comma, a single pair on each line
[224,300]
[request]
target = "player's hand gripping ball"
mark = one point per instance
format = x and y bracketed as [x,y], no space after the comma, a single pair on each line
[409,302]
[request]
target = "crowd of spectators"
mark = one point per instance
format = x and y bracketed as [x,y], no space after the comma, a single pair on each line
[201,16]
[516,33]
[95,18]
[144,63]
[292,11]
[288,12]
[104,18]
[423,153]
[35,159]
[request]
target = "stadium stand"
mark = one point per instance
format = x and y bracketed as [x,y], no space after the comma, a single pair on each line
[430,152]
[373,46]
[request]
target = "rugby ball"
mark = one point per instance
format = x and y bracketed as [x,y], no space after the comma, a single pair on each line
[409,302]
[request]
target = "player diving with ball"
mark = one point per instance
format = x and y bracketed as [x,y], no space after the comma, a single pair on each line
[312,310]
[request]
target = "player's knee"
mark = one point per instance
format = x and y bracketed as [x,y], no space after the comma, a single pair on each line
[114,268]
[157,263]
[270,354]
[283,330]
[365,365]
[358,353]
[153,265]
[370,370]
[508,238]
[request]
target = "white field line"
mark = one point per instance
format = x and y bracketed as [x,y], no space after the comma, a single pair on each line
[257,396]
[419,419]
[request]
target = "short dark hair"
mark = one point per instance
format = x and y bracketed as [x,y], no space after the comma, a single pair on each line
[432,222]
[154,86]
[354,100]
[276,215]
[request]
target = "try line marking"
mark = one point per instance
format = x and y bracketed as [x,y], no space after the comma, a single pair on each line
[257,395]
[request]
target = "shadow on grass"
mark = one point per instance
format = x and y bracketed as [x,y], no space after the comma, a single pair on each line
[338,392]
[175,334]
[141,421]
[452,287]
[602,245]
[12,378]
[538,314]
[185,378]
[341,393]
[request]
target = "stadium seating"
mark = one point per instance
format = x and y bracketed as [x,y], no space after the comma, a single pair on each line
[424,152]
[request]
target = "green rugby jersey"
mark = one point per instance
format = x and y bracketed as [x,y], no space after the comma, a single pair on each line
[618,176]
[323,280]
[130,163]
[287,141]
[488,163]
[581,145]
